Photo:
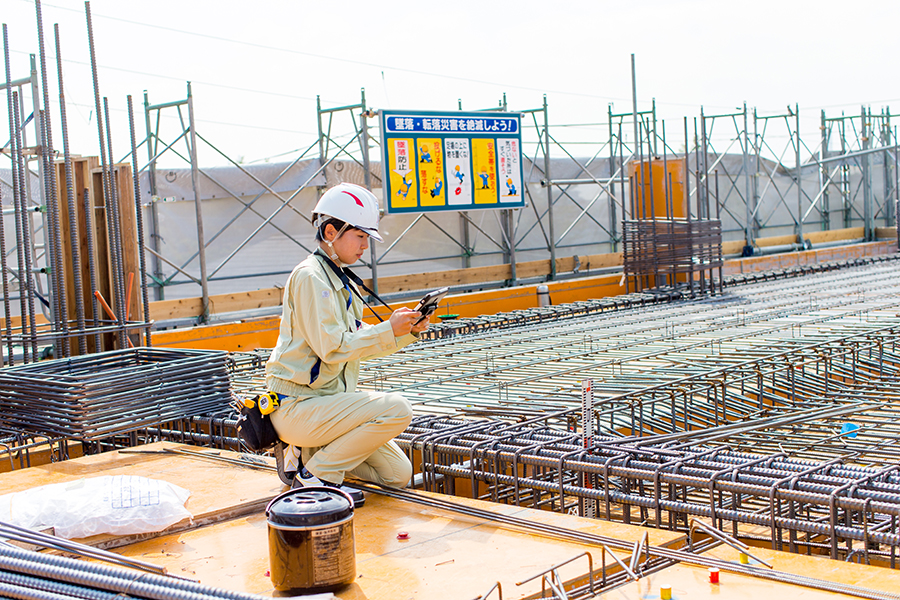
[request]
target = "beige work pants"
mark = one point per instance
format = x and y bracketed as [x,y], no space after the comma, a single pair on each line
[348,433]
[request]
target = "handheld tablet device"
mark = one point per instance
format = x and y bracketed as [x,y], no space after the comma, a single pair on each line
[429,303]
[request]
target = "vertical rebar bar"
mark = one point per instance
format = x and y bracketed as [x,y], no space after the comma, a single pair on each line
[719,253]
[49,217]
[634,111]
[587,440]
[702,184]
[667,197]
[114,235]
[145,300]
[25,267]
[70,200]
[703,211]
[12,102]
[625,214]
[104,170]
[639,153]
[6,307]
[53,238]
[687,195]
[92,267]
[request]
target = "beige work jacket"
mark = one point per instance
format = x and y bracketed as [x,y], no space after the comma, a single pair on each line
[319,333]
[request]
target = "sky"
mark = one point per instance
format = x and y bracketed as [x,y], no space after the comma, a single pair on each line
[257,68]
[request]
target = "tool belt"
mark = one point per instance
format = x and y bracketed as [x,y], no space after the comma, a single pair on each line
[254,426]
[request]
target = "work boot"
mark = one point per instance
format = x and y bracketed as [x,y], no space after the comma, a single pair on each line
[305,479]
[287,461]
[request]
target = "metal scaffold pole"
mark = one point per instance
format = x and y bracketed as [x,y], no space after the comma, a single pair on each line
[748,185]
[159,292]
[139,215]
[866,137]
[367,178]
[548,178]
[198,208]
[799,178]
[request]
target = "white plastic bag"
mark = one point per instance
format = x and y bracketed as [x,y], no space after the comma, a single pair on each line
[118,505]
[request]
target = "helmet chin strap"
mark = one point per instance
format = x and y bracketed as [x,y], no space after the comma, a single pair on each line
[330,243]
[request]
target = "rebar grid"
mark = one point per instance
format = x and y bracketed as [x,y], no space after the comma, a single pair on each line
[490,373]
[769,412]
[816,506]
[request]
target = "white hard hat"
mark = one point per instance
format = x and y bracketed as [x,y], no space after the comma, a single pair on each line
[352,204]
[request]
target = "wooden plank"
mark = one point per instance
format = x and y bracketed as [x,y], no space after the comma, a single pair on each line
[83,167]
[16,321]
[834,235]
[68,261]
[423,281]
[778,240]
[191,307]
[219,491]
[733,247]
[220,303]
[886,232]
[818,567]
[102,252]
[131,265]
[80,177]
[243,336]
[444,555]
[476,275]
[262,333]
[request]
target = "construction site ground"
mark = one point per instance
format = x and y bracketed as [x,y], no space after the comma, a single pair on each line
[445,554]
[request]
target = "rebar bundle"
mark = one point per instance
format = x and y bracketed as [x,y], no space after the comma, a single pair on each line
[670,252]
[30,575]
[48,269]
[97,396]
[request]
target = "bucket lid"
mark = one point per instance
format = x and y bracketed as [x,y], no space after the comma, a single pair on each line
[309,506]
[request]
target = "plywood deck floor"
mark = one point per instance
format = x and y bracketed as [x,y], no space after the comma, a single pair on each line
[446,555]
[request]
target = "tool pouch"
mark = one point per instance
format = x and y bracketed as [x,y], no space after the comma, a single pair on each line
[255,429]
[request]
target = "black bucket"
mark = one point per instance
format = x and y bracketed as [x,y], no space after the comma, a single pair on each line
[311,545]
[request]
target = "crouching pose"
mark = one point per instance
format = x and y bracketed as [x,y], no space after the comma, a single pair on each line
[314,367]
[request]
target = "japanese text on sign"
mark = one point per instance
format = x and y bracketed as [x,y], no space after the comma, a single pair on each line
[451,161]
[486,124]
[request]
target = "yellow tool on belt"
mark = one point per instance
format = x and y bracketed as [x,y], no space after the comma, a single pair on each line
[268,402]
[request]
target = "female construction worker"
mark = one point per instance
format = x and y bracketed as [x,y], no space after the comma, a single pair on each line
[314,367]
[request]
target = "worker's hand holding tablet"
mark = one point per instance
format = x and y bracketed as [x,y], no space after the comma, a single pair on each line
[429,303]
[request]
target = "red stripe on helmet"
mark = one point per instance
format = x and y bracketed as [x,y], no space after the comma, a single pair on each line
[358,201]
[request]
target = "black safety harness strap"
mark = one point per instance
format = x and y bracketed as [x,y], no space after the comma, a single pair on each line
[346,276]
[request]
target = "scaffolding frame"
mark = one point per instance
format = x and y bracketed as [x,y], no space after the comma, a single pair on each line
[577,189]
